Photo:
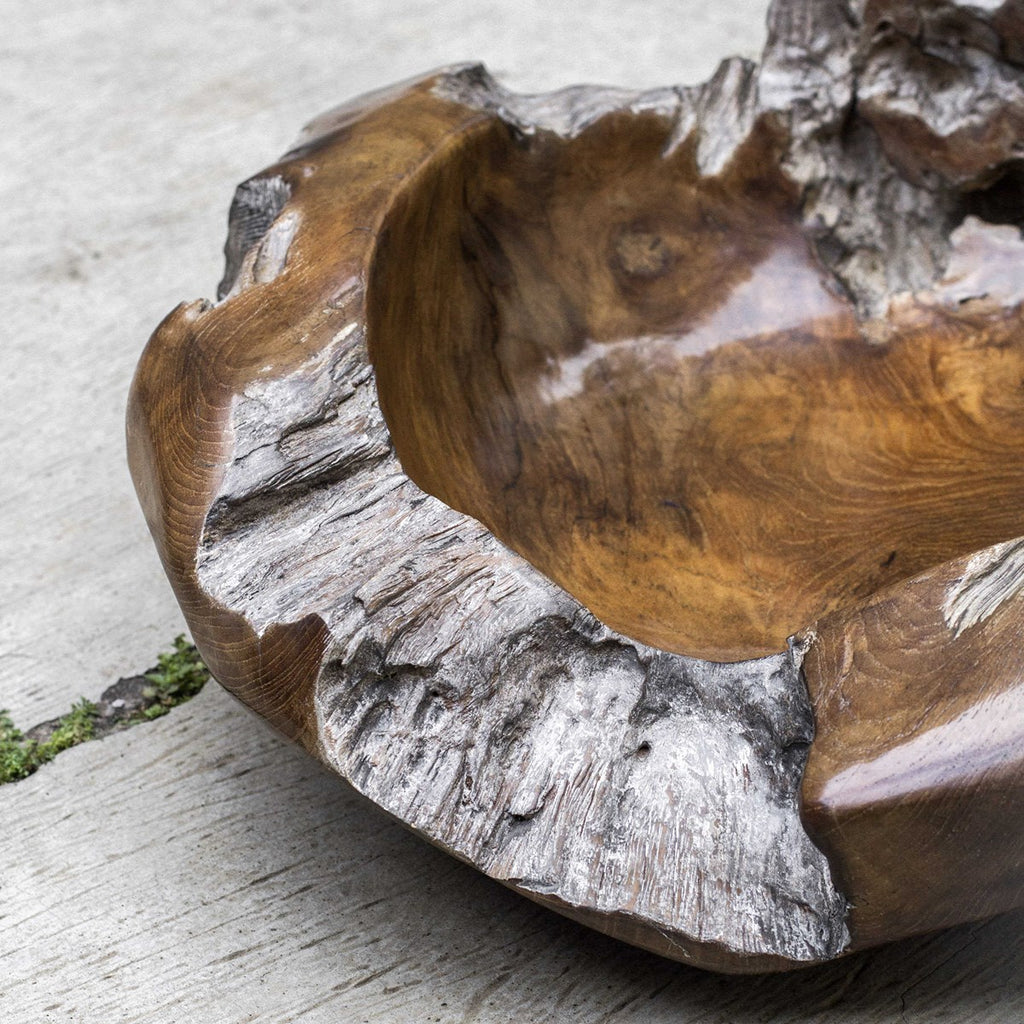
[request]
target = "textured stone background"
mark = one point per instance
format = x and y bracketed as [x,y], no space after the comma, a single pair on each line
[197,869]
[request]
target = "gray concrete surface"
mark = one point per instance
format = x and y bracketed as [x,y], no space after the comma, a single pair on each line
[205,872]
[198,869]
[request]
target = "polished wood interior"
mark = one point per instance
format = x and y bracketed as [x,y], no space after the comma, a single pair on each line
[640,379]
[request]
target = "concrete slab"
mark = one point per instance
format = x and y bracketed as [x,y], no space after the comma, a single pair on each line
[197,869]
[200,870]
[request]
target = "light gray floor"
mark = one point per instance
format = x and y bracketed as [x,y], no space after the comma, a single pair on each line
[198,869]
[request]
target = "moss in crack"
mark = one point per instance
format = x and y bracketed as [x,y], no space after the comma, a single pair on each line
[177,677]
[21,755]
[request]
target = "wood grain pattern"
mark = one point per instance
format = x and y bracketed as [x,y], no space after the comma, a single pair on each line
[645,385]
[454,317]
[915,781]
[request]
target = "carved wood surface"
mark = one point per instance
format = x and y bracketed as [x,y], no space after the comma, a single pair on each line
[643,341]
[917,699]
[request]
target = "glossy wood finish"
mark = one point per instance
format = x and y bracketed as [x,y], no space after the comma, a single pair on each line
[609,331]
[915,781]
[640,379]
[403,644]
[647,386]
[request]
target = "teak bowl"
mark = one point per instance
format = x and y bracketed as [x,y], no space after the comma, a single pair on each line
[535,473]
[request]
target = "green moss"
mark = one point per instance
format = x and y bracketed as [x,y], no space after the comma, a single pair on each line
[77,726]
[20,757]
[14,758]
[179,675]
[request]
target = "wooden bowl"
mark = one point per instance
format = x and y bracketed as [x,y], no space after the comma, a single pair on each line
[538,475]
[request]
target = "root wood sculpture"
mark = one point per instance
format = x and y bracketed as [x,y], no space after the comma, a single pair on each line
[623,489]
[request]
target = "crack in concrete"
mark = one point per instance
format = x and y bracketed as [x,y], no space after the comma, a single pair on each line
[175,679]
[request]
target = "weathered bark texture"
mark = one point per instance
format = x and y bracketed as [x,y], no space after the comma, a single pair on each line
[518,416]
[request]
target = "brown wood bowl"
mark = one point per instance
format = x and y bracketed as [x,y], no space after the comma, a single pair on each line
[537,475]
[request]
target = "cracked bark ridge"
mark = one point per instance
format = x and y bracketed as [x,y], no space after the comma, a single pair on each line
[526,429]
